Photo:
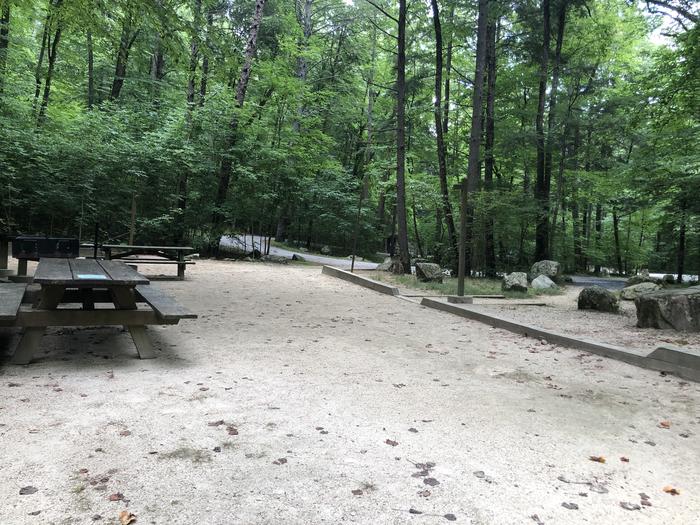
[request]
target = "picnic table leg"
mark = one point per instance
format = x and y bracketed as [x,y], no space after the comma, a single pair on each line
[124,300]
[50,297]
[22,267]
[181,266]
[28,345]
[4,253]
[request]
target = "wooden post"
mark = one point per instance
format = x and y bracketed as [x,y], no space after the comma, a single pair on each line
[4,252]
[461,269]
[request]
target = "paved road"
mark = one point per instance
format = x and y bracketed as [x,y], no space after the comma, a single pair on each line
[246,241]
[610,283]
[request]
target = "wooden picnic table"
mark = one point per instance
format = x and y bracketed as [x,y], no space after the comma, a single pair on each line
[166,254]
[88,282]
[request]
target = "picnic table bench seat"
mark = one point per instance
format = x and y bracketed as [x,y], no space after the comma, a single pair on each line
[11,295]
[165,306]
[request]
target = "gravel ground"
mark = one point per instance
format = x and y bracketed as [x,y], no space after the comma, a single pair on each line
[298,398]
[562,315]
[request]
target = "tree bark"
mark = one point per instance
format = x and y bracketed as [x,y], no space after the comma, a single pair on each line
[473,165]
[440,131]
[4,40]
[227,161]
[680,267]
[126,40]
[541,193]
[598,236]
[489,241]
[42,53]
[52,47]
[91,71]
[616,234]
[404,254]
[205,59]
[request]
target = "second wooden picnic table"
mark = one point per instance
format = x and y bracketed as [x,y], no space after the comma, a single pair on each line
[166,254]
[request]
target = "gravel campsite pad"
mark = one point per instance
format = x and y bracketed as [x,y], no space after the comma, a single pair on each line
[300,398]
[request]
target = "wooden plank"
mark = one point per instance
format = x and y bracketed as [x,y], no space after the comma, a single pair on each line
[28,316]
[50,296]
[166,307]
[151,261]
[121,273]
[53,271]
[143,344]
[135,247]
[28,345]
[11,295]
[88,272]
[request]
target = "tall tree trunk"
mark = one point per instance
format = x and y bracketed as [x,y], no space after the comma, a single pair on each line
[439,131]
[680,267]
[489,242]
[157,69]
[91,71]
[473,166]
[616,234]
[415,229]
[404,254]
[52,47]
[4,40]
[126,40]
[598,236]
[541,193]
[232,135]
[448,74]
[205,59]
[42,53]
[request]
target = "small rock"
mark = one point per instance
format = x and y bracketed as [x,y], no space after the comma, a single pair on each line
[629,506]
[450,517]
[24,491]
[414,511]
[570,506]
[431,481]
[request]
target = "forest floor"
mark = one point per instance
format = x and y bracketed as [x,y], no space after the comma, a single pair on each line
[299,398]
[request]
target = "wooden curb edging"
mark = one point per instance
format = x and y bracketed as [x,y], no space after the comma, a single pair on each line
[362,281]
[681,362]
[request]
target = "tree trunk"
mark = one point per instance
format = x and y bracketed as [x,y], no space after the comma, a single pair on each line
[489,242]
[541,193]
[205,59]
[404,254]
[415,230]
[91,71]
[680,268]
[439,131]
[598,236]
[42,53]
[126,40]
[157,69]
[616,234]
[4,40]
[227,160]
[473,165]
[52,47]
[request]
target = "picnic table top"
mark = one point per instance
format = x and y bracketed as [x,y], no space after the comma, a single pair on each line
[137,247]
[86,272]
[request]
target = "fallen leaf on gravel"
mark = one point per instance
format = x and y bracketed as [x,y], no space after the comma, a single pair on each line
[537,519]
[570,506]
[126,517]
[646,503]
[280,461]
[671,490]
[35,513]
[624,459]
[216,423]
[232,431]
[643,496]
[414,511]
[414,430]
[431,481]
[125,433]
[357,492]
[450,517]
[391,442]
[424,493]
[629,506]
[597,459]
[117,496]
[480,474]
[665,424]
[24,491]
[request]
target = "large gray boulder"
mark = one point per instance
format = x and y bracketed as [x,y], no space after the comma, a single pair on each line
[598,298]
[544,283]
[429,272]
[549,269]
[277,259]
[326,250]
[677,309]
[396,267]
[515,282]
[630,293]
[669,279]
[384,267]
[638,279]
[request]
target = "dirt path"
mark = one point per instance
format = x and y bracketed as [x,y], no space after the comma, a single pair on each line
[323,389]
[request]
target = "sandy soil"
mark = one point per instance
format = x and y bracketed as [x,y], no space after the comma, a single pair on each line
[562,315]
[331,396]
